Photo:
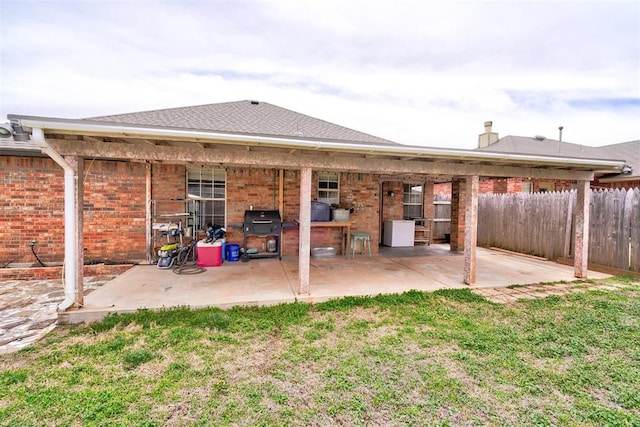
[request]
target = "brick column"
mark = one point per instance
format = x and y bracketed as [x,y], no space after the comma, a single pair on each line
[471,229]
[457,215]
[428,210]
[304,244]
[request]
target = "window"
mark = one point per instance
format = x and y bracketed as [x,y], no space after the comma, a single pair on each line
[329,188]
[206,189]
[546,186]
[412,201]
[527,187]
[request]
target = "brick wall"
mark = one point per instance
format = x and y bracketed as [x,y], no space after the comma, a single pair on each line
[486,186]
[362,192]
[514,185]
[392,208]
[259,188]
[33,209]
[114,206]
[626,184]
[114,211]
[442,188]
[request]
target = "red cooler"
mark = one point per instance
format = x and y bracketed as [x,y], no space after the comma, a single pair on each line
[209,254]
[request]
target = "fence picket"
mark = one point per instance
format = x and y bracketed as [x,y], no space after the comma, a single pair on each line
[542,224]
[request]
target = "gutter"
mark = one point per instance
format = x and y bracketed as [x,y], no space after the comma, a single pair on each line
[95,128]
[70,238]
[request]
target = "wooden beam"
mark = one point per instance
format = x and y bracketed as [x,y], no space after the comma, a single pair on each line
[139,141]
[92,139]
[276,159]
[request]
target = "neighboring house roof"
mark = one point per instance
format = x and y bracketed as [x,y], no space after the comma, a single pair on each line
[627,151]
[245,117]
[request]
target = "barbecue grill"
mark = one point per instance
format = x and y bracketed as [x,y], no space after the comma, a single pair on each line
[262,223]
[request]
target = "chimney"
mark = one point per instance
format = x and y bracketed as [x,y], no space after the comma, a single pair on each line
[487,138]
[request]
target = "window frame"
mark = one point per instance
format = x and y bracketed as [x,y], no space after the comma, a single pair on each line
[332,187]
[409,193]
[208,203]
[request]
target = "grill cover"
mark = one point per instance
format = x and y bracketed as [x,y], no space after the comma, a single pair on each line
[262,223]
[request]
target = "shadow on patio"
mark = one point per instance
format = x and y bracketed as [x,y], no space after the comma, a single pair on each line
[269,281]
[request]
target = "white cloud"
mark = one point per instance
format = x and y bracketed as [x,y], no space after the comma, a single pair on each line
[417,72]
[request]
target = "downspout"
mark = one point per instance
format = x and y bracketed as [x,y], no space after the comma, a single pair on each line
[70,238]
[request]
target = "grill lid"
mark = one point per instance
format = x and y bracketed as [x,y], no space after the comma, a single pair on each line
[261,217]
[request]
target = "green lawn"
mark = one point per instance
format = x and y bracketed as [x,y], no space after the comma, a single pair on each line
[442,358]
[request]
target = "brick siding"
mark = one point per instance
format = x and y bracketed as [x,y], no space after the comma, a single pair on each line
[33,209]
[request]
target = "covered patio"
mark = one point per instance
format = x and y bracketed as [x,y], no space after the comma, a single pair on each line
[269,281]
[282,163]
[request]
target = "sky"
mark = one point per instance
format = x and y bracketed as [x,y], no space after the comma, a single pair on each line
[415,72]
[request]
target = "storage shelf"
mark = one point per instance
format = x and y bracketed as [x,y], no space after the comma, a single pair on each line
[422,232]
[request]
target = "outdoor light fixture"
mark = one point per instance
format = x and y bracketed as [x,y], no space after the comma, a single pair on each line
[15,130]
[19,134]
[391,194]
[6,130]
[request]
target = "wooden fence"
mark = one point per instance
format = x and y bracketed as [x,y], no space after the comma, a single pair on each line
[542,224]
[442,217]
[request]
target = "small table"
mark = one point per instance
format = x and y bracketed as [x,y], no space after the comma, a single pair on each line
[346,231]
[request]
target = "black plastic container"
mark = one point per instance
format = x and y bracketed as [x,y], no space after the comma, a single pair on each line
[320,211]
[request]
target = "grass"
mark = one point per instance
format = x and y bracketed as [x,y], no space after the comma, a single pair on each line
[449,357]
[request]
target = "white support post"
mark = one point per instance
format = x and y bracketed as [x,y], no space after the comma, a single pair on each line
[73,214]
[77,164]
[470,229]
[581,245]
[304,231]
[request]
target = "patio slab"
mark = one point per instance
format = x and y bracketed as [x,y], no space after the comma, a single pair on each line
[270,281]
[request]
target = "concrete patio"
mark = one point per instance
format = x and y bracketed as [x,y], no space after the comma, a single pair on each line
[270,281]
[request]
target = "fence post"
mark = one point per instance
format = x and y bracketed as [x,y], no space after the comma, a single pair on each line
[581,249]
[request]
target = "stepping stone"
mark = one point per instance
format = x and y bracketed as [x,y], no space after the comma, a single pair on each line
[15,323]
[41,324]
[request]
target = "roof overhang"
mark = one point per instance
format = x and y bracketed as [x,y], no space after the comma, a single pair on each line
[128,132]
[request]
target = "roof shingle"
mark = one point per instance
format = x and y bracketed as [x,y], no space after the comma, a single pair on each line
[627,151]
[246,117]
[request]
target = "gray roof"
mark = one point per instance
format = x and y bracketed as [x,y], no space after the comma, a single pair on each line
[245,117]
[546,147]
[627,151]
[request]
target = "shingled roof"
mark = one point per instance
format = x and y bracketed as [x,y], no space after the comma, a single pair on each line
[627,151]
[545,147]
[246,117]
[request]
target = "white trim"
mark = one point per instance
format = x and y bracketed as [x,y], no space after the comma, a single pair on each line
[87,127]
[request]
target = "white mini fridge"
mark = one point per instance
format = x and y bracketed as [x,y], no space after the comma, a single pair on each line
[398,233]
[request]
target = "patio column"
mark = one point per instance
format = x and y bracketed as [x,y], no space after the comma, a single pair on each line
[581,241]
[304,247]
[470,228]
[429,211]
[147,215]
[457,215]
[77,164]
